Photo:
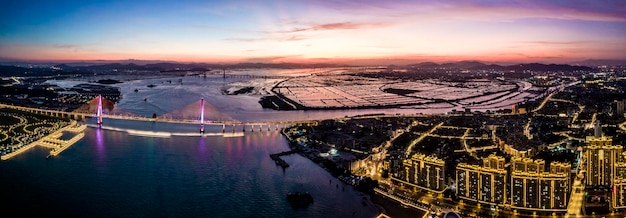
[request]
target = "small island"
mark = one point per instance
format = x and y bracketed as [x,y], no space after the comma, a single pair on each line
[108,81]
[238,91]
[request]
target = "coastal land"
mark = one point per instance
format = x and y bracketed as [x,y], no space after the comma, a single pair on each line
[374,152]
[339,147]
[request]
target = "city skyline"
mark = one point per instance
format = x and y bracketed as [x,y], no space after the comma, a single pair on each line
[314,31]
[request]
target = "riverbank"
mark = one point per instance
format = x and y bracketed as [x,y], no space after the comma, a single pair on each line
[385,205]
[282,103]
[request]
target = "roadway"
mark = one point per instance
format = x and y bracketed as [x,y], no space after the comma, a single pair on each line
[246,123]
[404,201]
[139,118]
[424,135]
[574,207]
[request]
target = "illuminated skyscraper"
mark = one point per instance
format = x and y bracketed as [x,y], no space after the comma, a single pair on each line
[524,182]
[618,191]
[601,156]
[425,172]
[486,184]
[534,189]
[555,184]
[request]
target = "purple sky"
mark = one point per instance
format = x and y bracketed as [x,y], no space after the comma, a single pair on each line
[314,31]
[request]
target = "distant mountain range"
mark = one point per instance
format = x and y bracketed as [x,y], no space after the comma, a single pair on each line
[462,65]
[475,65]
[21,69]
[86,67]
[172,66]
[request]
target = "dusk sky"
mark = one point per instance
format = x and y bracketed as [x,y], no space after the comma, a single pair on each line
[313,31]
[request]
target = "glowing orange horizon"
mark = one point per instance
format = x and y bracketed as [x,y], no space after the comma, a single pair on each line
[360,60]
[317,31]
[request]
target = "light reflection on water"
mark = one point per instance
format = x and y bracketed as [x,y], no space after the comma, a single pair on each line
[111,173]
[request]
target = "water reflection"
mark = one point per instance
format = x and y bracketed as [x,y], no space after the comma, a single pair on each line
[202,147]
[210,176]
[100,147]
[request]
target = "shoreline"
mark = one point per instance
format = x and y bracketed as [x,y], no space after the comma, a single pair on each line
[395,209]
[267,103]
[384,204]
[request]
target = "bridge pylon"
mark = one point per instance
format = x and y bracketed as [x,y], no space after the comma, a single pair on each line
[202,115]
[99,111]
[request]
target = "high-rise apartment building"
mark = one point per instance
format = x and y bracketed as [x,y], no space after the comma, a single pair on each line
[601,158]
[618,190]
[484,184]
[426,172]
[535,189]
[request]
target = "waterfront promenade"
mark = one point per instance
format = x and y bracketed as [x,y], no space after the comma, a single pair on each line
[403,202]
[53,141]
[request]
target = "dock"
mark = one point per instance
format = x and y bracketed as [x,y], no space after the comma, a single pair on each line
[53,141]
[58,145]
[280,161]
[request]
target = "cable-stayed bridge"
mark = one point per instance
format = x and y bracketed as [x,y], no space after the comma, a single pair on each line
[99,115]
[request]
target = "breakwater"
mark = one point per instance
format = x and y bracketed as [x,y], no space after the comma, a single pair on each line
[280,161]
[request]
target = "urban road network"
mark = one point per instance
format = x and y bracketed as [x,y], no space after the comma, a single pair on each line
[100,115]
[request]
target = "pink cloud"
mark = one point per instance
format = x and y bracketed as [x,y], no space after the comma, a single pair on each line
[568,10]
[344,26]
[269,38]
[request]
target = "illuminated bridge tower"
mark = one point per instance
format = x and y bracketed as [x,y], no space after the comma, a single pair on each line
[202,115]
[99,110]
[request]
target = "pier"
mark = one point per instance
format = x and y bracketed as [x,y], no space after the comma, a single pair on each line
[58,145]
[66,144]
[280,161]
[53,141]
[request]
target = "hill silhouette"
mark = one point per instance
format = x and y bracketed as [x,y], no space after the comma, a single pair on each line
[475,65]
